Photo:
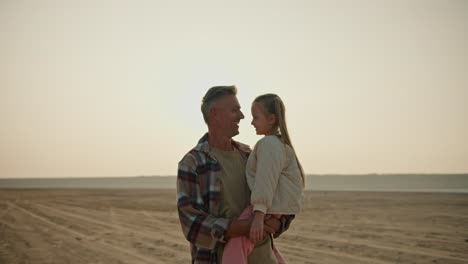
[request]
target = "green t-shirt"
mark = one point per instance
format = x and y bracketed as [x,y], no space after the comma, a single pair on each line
[236,197]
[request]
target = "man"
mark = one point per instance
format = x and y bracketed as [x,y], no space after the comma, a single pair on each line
[212,190]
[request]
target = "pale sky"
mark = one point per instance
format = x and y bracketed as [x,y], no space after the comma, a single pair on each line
[113,88]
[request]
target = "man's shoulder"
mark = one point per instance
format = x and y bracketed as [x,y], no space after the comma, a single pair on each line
[193,157]
[199,149]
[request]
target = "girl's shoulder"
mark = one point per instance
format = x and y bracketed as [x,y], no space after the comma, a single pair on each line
[270,141]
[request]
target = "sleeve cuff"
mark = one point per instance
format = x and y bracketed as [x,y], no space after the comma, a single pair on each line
[260,207]
[219,228]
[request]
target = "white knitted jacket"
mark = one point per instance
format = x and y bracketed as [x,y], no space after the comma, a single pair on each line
[274,177]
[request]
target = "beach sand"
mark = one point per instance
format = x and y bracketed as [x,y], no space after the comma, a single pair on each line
[141,226]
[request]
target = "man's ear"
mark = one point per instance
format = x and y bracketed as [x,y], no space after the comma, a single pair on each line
[213,113]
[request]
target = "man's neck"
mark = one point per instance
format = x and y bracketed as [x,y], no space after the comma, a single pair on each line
[219,141]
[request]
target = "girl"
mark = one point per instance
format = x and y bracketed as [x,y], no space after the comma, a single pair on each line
[274,175]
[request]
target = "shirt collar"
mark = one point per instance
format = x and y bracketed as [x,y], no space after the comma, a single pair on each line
[204,146]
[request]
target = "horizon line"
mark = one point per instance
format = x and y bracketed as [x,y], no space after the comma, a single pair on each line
[307,174]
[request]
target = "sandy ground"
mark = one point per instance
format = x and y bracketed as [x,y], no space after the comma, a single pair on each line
[141,226]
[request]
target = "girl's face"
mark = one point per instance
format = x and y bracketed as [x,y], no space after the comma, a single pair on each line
[261,120]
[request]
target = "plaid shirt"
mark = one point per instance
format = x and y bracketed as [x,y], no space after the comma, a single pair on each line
[199,201]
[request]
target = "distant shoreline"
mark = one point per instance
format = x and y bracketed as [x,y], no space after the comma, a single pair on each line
[99,189]
[434,183]
[170,176]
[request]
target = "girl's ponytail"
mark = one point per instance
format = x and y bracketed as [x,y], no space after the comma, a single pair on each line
[273,104]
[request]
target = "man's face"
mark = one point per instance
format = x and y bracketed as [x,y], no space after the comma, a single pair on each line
[227,115]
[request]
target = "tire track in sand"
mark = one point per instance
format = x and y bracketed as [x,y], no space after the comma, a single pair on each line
[7,210]
[168,240]
[298,252]
[364,243]
[106,246]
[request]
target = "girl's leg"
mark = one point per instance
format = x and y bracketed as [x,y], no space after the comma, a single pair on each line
[238,249]
[279,258]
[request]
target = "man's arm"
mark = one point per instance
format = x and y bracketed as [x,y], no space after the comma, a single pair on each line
[199,227]
[238,228]
[277,226]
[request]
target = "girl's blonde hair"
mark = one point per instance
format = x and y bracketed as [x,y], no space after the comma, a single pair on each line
[272,104]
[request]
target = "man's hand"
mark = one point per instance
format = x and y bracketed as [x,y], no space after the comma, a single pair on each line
[238,228]
[272,224]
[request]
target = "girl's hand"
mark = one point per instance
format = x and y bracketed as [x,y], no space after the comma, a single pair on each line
[256,229]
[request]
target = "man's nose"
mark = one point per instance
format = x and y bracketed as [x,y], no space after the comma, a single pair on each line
[241,115]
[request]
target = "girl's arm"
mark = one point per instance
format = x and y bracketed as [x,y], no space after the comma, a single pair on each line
[270,160]
[256,229]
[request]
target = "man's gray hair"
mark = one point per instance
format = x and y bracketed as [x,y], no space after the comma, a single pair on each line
[214,94]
